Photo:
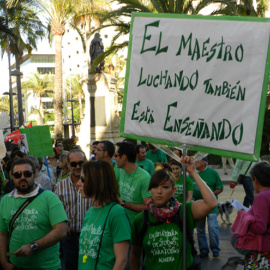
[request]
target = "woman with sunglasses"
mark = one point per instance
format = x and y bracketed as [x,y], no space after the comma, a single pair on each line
[105,233]
[161,237]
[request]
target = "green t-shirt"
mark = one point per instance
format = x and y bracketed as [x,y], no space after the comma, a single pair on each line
[36,220]
[117,229]
[179,187]
[133,188]
[158,156]
[162,244]
[213,181]
[147,165]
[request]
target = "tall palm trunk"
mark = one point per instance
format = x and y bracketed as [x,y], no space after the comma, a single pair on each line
[41,110]
[19,90]
[58,95]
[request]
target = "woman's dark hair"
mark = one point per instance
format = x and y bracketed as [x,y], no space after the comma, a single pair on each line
[261,171]
[100,182]
[174,162]
[167,166]
[159,177]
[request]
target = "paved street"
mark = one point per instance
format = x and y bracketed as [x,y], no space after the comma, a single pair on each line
[225,232]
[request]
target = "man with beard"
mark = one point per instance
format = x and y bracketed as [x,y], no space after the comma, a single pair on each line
[33,242]
[75,206]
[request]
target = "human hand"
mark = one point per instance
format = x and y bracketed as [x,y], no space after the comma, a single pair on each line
[190,164]
[24,251]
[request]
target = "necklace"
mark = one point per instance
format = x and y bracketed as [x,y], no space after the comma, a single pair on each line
[85,243]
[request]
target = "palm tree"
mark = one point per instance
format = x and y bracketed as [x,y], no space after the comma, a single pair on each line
[59,13]
[4,104]
[23,22]
[39,84]
[120,18]
[74,84]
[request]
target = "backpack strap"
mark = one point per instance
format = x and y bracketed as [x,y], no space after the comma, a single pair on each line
[179,222]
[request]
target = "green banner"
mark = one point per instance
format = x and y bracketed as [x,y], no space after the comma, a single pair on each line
[38,140]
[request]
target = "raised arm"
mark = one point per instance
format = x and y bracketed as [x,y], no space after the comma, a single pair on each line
[203,207]
[136,207]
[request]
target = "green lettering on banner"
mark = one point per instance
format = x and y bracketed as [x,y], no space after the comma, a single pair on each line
[39,141]
[168,117]
[135,111]
[145,37]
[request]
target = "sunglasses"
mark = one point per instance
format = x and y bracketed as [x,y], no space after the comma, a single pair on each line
[18,175]
[82,179]
[74,164]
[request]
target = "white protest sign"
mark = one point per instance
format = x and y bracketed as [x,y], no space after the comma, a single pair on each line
[3,149]
[197,80]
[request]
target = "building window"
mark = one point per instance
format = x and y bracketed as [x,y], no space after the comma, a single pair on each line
[68,43]
[77,52]
[77,38]
[42,59]
[46,70]
[69,56]
[106,36]
[78,66]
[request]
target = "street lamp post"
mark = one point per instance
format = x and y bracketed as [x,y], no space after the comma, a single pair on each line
[17,73]
[72,116]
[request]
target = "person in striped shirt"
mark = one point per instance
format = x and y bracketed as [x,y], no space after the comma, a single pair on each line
[75,206]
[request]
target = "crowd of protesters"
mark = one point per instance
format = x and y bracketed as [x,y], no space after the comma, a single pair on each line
[122,209]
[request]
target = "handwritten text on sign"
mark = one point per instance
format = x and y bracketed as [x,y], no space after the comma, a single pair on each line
[196,81]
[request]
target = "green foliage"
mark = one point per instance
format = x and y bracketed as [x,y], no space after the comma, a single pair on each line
[25,25]
[69,143]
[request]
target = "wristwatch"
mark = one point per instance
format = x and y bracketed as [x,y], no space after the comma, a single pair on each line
[123,204]
[34,246]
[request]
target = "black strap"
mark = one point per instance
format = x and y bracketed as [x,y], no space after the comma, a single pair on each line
[248,168]
[19,211]
[102,234]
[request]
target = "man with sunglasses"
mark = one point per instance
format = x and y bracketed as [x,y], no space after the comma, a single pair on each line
[75,206]
[33,243]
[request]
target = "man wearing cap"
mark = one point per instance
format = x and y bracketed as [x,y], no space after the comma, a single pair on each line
[212,179]
[75,206]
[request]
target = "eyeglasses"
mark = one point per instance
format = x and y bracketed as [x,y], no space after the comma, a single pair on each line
[82,179]
[74,164]
[99,150]
[116,155]
[18,175]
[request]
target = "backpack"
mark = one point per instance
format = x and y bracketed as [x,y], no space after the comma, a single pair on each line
[177,219]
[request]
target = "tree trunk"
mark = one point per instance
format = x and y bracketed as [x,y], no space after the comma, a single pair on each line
[41,109]
[58,85]
[19,91]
